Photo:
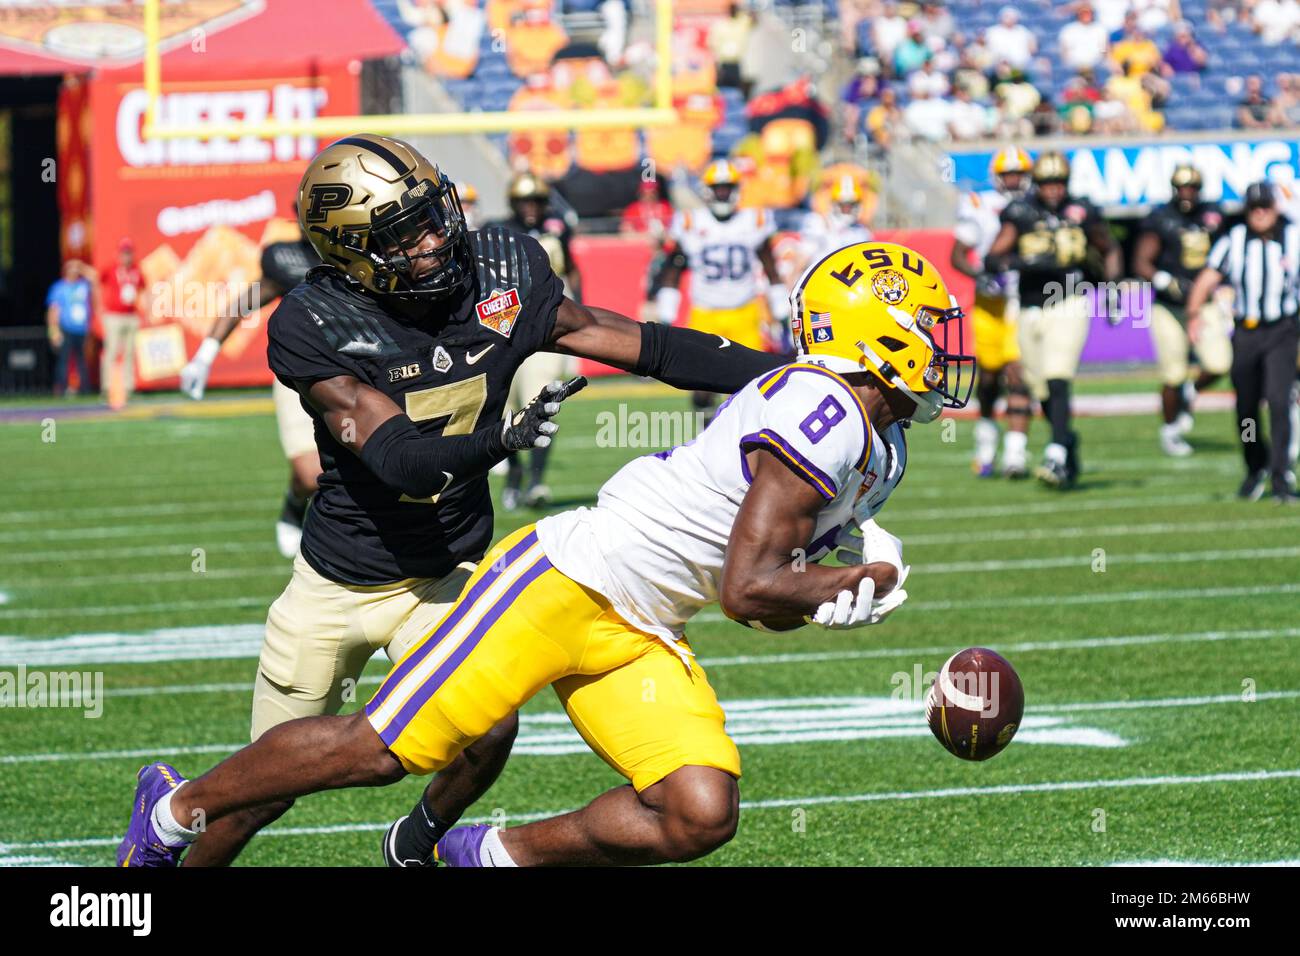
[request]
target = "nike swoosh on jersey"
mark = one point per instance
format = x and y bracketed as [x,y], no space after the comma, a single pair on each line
[471,359]
[725,341]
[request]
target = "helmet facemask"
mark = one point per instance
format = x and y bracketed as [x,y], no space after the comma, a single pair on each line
[722,199]
[950,375]
[396,230]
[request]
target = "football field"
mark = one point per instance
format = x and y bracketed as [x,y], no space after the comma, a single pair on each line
[1153,618]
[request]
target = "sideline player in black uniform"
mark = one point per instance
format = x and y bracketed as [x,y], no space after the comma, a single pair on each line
[284,265]
[1172,246]
[402,348]
[1046,237]
[532,215]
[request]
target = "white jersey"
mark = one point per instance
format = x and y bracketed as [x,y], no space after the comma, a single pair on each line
[655,542]
[722,254]
[821,236]
[979,219]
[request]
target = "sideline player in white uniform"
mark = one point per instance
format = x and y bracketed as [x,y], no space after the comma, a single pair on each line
[841,224]
[594,601]
[997,352]
[724,247]
[284,265]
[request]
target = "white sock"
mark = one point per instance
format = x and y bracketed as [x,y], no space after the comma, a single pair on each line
[1171,431]
[1013,449]
[492,851]
[1055,453]
[986,440]
[172,833]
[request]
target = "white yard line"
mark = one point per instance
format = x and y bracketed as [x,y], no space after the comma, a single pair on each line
[1249,776]
[746,717]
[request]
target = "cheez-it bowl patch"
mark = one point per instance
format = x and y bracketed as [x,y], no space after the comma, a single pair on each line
[499,311]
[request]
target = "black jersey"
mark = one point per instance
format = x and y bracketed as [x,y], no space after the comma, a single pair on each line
[555,236]
[1185,241]
[285,264]
[1051,244]
[450,370]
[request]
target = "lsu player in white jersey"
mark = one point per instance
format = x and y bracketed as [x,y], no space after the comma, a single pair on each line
[997,352]
[595,602]
[841,224]
[724,247]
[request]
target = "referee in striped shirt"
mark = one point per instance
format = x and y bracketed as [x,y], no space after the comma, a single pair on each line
[1260,258]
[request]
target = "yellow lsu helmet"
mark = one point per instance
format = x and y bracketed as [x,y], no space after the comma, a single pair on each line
[882,308]
[1009,159]
[367,202]
[720,186]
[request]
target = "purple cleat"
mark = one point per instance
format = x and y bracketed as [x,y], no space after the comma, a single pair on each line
[461,845]
[142,846]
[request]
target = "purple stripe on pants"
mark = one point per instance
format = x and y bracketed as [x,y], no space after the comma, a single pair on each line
[462,607]
[430,687]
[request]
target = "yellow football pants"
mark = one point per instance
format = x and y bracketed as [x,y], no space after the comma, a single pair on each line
[520,625]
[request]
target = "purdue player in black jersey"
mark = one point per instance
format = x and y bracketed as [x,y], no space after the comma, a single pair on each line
[1047,237]
[284,265]
[402,347]
[1172,246]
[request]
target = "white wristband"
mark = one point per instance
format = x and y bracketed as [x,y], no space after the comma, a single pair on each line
[208,351]
[1161,280]
[778,303]
[667,301]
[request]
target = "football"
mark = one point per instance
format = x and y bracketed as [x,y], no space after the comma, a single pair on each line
[975,704]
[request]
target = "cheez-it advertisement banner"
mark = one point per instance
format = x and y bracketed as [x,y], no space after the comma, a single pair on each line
[199,211]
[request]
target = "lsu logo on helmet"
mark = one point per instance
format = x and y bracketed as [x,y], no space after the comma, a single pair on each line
[889,287]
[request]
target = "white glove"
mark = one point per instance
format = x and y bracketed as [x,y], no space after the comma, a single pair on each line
[667,301]
[778,303]
[194,376]
[873,545]
[848,611]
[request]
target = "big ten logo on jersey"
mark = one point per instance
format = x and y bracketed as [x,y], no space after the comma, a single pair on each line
[726,262]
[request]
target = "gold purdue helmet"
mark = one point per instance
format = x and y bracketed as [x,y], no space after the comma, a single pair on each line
[1051,167]
[367,202]
[1184,175]
[877,307]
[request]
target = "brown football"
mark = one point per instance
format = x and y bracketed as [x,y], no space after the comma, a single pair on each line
[975,704]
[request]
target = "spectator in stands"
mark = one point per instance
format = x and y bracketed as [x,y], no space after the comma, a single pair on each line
[928,80]
[1220,13]
[1155,15]
[885,120]
[728,37]
[1276,20]
[926,117]
[1083,41]
[938,22]
[864,88]
[1136,49]
[888,31]
[968,72]
[1257,111]
[651,213]
[968,119]
[1140,93]
[67,317]
[1184,54]
[1078,100]
[912,51]
[1011,41]
[1016,95]
[1111,13]
[1288,98]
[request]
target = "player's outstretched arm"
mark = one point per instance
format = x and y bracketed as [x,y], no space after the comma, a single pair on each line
[370,424]
[682,358]
[765,576]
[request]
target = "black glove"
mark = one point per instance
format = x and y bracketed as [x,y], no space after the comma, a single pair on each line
[532,427]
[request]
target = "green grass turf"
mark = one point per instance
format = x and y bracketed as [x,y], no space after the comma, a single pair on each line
[102,525]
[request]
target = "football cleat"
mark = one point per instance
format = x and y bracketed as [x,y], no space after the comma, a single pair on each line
[1015,472]
[982,469]
[538,496]
[1172,442]
[1053,473]
[143,846]
[393,855]
[462,845]
[510,499]
[1252,488]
